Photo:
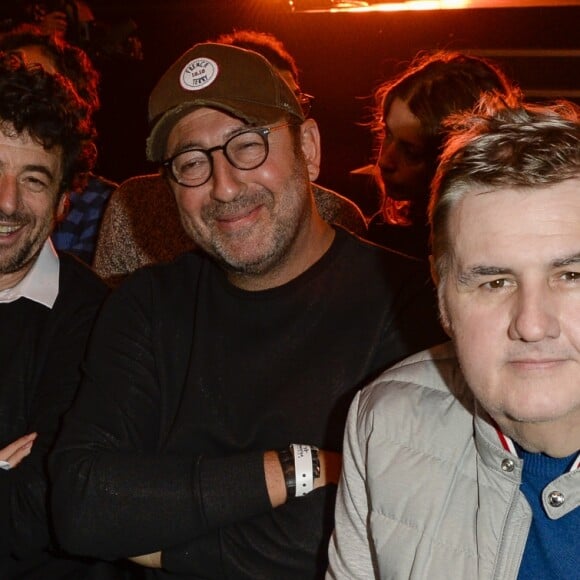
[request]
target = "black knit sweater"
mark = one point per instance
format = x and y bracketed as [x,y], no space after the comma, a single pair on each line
[40,355]
[189,380]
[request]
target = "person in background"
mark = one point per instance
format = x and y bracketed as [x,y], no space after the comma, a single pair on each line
[77,230]
[205,441]
[66,19]
[408,123]
[69,20]
[48,302]
[463,461]
[141,225]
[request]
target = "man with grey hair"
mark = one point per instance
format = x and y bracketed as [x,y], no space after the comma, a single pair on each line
[462,461]
[206,437]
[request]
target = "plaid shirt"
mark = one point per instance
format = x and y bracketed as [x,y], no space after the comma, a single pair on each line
[77,232]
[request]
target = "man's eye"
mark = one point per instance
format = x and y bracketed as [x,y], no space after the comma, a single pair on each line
[248,145]
[496,284]
[34,184]
[571,276]
[190,162]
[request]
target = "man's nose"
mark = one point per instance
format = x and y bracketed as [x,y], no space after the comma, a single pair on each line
[535,315]
[225,182]
[8,194]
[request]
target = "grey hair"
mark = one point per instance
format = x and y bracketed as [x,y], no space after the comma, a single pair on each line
[501,145]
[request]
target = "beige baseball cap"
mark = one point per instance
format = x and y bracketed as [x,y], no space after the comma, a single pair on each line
[234,80]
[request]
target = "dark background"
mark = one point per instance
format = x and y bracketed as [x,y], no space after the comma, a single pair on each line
[342,57]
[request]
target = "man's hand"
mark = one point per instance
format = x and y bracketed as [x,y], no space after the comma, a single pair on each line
[16,451]
[148,560]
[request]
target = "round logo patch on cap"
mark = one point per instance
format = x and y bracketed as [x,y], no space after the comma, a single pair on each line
[198,74]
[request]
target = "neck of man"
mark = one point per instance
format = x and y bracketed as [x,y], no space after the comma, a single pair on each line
[311,243]
[558,438]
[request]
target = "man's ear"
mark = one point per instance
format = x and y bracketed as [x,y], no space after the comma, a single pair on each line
[443,312]
[62,207]
[440,285]
[310,143]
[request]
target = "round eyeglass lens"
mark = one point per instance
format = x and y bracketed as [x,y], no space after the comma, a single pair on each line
[247,150]
[191,167]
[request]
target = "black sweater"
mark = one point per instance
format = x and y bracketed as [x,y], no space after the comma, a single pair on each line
[189,380]
[40,354]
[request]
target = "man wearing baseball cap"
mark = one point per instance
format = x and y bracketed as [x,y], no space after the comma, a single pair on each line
[205,441]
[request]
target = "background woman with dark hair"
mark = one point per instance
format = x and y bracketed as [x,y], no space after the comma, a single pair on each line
[409,114]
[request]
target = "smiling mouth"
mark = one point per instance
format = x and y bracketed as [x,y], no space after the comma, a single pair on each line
[7,229]
[239,216]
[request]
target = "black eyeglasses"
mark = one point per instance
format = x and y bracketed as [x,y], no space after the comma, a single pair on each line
[246,150]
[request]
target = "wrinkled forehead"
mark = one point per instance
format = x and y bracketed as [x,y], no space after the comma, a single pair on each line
[204,126]
[9,134]
[516,225]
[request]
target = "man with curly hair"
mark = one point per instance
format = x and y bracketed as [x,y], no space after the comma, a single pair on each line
[47,305]
[87,198]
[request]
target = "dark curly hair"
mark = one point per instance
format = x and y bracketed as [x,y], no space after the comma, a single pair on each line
[47,107]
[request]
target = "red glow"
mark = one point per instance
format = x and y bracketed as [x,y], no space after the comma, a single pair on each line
[335,6]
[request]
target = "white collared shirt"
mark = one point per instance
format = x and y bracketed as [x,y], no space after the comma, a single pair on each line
[41,282]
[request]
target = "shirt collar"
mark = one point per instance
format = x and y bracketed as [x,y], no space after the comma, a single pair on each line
[41,282]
